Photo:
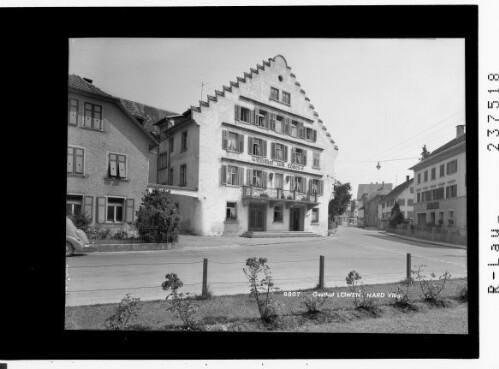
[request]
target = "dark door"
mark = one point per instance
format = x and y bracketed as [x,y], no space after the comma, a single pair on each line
[294,217]
[256,218]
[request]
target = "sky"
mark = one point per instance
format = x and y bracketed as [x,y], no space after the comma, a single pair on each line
[381,99]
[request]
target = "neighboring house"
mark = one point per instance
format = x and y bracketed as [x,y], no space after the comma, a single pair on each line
[440,184]
[365,193]
[254,157]
[404,195]
[111,155]
[372,208]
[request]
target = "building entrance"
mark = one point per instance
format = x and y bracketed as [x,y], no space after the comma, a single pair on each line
[256,218]
[294,219]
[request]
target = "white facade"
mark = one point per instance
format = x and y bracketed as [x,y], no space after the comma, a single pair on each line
[258,172]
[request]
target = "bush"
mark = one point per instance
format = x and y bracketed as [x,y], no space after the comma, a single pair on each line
[314,303]
[431,289]
[362,300]
[463,293]
[262,288]
[128,308]
[81,220]
[180,304]
[158,220]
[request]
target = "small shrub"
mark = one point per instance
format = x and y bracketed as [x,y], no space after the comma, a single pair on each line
[262,288]
[314,303]
[207,296]
[362,299]
[401,299]
[81,220]
[128,308]
[180,304]
[431,289]
[463,293]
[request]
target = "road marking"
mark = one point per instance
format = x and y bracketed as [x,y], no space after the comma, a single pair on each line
[404,253]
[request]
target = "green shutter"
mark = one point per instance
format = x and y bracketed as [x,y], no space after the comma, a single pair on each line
[129,213]
[88,204]
[101,209]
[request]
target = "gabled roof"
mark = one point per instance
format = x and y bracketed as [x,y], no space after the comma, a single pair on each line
[449,145]
[368,189]
[399,189]
[79,83]
[148,114]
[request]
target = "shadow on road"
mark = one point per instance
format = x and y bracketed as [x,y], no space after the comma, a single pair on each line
[412,243]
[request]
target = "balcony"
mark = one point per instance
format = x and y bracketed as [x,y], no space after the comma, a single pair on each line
[272,196]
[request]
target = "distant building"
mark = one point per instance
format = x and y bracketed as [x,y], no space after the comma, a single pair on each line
[440,184]
[365,193]
[404,195]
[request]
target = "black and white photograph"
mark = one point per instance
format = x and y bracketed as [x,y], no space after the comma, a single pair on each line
[320,189]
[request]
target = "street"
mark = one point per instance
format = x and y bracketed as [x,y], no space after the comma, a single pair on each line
[105,277]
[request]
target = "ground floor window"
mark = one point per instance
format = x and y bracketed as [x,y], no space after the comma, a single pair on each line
[115,209]
[451,219]
[315,215]
[73,204]
[278,218]
[231,211]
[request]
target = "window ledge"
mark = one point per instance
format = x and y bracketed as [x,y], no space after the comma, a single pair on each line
[233,151]
[316,168]
[279,101]
[116,179]
[315,223]
[231,221]
[77,175]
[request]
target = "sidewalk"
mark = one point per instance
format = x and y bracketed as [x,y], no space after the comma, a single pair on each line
[444,244]
[189,242]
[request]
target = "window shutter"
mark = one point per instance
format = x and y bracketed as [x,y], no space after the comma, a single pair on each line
[264,179]
[293,155]
[237,112]
[240,176]
[112,165]
[285,152]
[264,150]
[287,123]
[267,120]
[304,181]
[250,145]
[122,168]
[304,157]
[248,177]
[291,183]
[101,209]
[88,120]
[301,130]
[272,150]
[88,204]
[310,186]
[223,174]
[129,213]
[252,116]
[315,135]
[321,187]
[272,121]
[70,160]
[240,139]
[224,140]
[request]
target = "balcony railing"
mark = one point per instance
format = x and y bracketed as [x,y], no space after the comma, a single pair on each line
[251,192]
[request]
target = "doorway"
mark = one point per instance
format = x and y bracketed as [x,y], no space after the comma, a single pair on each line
[294,219]
[256,218]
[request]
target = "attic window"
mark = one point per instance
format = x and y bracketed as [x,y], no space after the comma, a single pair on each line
[140,119]
[280,78]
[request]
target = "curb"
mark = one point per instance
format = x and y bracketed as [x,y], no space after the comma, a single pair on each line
[451,245]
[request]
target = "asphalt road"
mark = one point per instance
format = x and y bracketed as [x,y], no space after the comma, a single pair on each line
[107,277]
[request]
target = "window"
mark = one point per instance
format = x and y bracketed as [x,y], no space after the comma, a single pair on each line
[171,143]
[410,202]
[170,176]
[442,170]
[73,111]
[232,141]
[162,176]
[411,189]
[441,217]
[438,194]
[279,152]
[310,134]
[451,219]
[257,178]
[315,186]
[279,181]
[452,167]
[261,118]
[274,93]
[257,146]
[232,175]
[427,196]
[418,198]
[433,173]
[410,215]
[294,128]
[426,176]
[299,184]
[115,210]
[451,191]
[117,166]
[231,211]
[278,218]
[163,160]
[76,158]
[317,163]
[183,175]
[299,156]
[183,143]
[244,115]
[419,178]
[73,204]
[279,124]
[401,202]
[286,98]
[93,116]
[315,215]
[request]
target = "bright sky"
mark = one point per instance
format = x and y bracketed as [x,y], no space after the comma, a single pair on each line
[380,99]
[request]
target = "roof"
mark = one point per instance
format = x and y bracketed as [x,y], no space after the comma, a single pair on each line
[79,83]
[368,189]
[148,114]
[399,189]
[452,143]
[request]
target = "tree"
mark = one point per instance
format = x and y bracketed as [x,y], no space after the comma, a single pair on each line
[158,219]
[342,197]
[396,216]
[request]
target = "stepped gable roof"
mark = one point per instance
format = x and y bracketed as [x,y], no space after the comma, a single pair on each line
[253,71]
[370,188]
[399,189]
[454,142]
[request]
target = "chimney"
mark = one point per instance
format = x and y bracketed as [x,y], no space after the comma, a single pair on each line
[460,130]
[88,80]
[407,178]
